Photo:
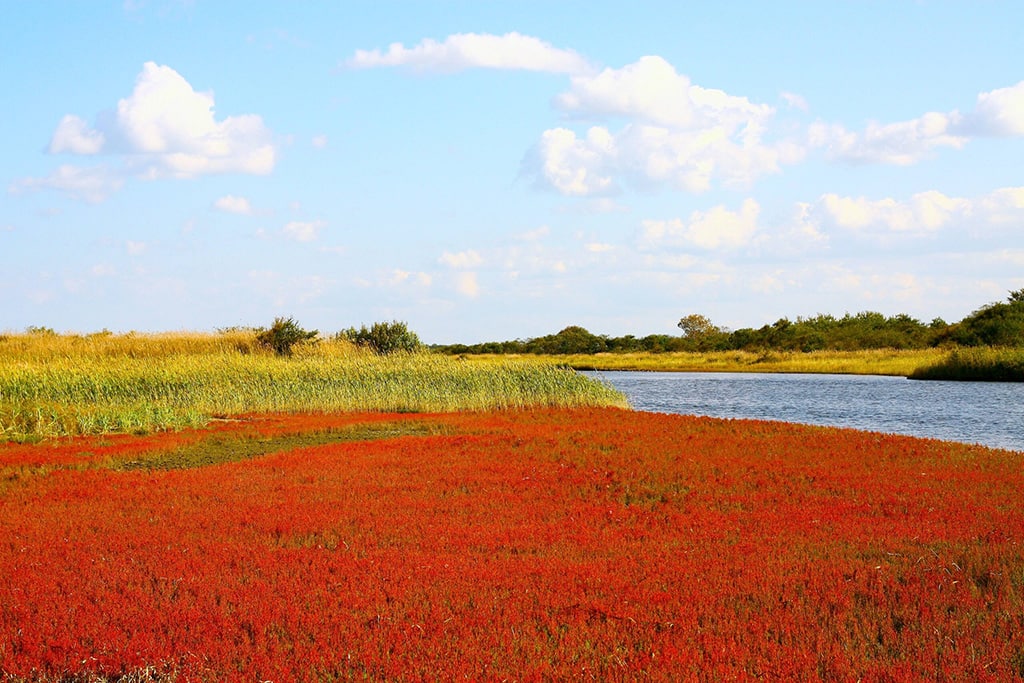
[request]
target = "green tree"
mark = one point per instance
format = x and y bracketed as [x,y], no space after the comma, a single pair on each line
[384,338]
[284,334]
[696,326]
[997,324]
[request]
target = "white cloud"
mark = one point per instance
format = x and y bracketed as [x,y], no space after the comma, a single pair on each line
[998,113]
[74,135]
[536,234]
[800,233]
[770,283]
[397,277]
[232,204]
[902,144]
[163,129]
[1005,205]
[319,141]
[693,160]
[462,259]
[175,130]
[575,166]
[794,101]
[922,213]
[651,90]
[468,50]
[406,279]
[717,228]
[303,231]
[598,247]
[135,248]
[677,134]
[402,278]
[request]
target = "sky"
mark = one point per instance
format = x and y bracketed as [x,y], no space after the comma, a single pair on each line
[502,170]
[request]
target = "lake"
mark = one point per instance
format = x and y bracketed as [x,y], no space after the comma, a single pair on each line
[988,413]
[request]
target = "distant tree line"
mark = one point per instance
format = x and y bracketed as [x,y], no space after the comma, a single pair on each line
[996,324]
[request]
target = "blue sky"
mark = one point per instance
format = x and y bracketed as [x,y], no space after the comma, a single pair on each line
[501,170]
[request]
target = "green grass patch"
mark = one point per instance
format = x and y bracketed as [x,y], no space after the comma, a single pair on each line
[220,449]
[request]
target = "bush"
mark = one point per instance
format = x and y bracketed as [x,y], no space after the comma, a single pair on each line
[997,324]
[384,338]
[983,364]
[283,335]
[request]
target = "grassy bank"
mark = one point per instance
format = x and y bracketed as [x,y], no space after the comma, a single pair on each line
[976,365]
[54,385]
[870,362]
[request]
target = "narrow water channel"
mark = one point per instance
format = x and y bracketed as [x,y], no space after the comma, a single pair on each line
[988,413]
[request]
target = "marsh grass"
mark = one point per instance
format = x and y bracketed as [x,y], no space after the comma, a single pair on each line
[982,364]
[869,362]
[54,385]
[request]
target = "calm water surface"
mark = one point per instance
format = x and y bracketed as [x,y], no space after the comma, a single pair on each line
[989,413]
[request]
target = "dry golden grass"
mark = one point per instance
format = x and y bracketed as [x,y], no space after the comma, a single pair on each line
[870,362]
[52,385]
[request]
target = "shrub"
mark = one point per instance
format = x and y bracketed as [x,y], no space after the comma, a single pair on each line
[283,335]
[384,338]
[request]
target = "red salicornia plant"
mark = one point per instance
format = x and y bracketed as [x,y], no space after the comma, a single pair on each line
[599,544]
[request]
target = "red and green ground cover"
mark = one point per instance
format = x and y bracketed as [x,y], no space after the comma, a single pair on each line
[561,544]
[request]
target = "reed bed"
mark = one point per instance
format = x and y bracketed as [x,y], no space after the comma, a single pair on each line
[977,365]
[55,385]
[896,362]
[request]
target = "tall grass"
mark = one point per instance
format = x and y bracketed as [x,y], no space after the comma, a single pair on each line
[52,385]
[868,362]
[982,364]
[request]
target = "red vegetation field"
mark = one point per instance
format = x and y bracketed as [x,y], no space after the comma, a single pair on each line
[555,544]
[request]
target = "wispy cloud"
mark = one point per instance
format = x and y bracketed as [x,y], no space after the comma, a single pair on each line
[716,228]
[795,101]
[467,284]
[923,213]
[134,247]
[233,204]
[304,231]
[997,113]
[462,259]
[90,184]
[474,50]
